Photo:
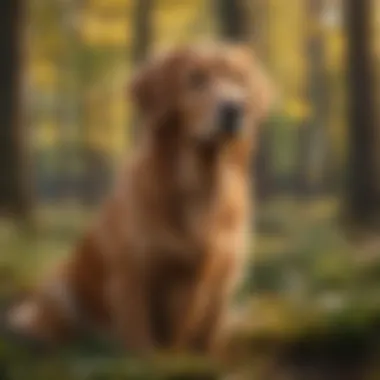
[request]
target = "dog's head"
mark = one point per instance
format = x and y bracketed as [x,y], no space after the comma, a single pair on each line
[215,93]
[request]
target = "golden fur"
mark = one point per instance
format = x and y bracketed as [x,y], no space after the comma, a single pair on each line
[159,266]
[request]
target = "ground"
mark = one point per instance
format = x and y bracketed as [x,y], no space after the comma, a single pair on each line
[311,300]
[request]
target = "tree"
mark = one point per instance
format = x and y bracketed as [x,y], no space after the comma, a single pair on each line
[142,27]
[14,190]
[142,36]
[313,139]
[70,94]
[232,19]
[363,196]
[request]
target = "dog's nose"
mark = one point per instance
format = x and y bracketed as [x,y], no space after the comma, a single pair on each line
[230,115]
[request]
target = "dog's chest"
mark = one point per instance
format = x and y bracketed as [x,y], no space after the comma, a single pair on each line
[180,220]
[202,215]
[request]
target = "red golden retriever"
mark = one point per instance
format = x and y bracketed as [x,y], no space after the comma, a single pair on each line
[159,266]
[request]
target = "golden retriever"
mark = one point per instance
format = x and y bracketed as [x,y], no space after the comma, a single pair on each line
[159,266]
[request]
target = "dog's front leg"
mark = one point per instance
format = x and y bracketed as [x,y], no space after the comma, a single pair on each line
[129,308]
[206,305]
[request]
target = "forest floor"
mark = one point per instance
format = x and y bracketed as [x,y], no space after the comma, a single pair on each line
[311,302]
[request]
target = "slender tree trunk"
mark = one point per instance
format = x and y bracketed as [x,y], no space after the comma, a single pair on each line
[363,198]
[15,194]
[68,114]
[313,137]
[232,19]
[142,41]
[264,174]
[142,38]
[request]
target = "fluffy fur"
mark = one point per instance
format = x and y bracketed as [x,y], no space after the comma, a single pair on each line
[160,264]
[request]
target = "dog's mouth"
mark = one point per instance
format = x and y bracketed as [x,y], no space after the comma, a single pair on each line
[214,142]
[229,117]
[226,126]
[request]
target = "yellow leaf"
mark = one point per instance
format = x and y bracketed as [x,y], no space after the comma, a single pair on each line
[46,134]
[43,73]
[297,108]
[100,31]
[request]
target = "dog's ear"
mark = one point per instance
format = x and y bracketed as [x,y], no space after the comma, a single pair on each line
[265,93]
[262,91]
[154,88]
[143,88]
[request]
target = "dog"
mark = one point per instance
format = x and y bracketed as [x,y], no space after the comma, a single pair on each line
[159,267]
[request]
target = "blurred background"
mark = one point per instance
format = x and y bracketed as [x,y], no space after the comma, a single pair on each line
[313,286]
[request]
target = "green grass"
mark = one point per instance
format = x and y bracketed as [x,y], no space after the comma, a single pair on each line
[305,278]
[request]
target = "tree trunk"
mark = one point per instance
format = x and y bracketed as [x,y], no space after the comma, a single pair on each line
[142,38]
[15,195]
[232,19]
[143,13]
[69,91]
[313,137]
[363,200]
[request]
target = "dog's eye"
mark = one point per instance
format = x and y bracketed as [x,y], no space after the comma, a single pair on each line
[197,79]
